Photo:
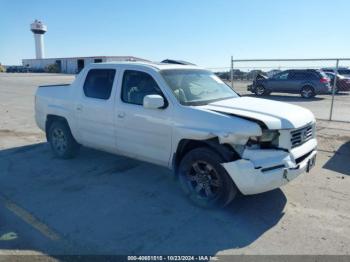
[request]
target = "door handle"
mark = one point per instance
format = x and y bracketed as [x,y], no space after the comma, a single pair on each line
[79,108]
[121,115]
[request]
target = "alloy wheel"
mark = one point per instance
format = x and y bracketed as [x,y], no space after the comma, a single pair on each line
[307,92]
[59,140]
[260,90]
[204,180]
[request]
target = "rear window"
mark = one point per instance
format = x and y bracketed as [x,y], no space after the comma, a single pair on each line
[98,83]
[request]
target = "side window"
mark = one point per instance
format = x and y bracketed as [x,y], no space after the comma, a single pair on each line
[98,83]
[299,76]
[293,76]
[313,76]
[136,85]
[282,76]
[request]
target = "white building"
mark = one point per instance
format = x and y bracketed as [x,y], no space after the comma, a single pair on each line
[68,65]
[73,65]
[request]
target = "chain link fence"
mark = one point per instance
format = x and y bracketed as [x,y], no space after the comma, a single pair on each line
[321,85]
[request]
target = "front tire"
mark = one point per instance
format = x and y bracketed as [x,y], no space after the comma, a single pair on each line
[61,140]
[260,90]
[204,180]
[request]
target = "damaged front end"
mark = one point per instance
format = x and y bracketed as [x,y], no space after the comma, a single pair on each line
[264,153]
[267,140]
[268,161]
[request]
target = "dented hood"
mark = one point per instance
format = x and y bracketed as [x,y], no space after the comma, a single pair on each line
[275,115]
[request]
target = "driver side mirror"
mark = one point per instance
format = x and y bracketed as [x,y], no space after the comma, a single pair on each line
[153,101]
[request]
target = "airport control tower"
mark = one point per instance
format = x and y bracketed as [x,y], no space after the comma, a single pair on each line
[39,29]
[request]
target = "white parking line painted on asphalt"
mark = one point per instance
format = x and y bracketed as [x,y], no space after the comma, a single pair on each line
[29,218]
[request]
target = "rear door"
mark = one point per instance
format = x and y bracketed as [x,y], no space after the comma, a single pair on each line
[297,80]
[95,109]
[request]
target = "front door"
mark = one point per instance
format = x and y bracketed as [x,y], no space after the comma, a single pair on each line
[279,82]
[142,133]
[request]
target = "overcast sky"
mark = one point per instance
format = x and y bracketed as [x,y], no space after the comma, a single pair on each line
[201,31]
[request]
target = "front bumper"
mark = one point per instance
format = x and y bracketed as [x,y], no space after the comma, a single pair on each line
[262,170]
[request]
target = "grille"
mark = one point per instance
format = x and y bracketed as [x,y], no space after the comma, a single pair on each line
[301,135]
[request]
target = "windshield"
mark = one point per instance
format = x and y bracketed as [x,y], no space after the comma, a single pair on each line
[197,87]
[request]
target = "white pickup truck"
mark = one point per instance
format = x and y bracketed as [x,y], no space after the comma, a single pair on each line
[184,118]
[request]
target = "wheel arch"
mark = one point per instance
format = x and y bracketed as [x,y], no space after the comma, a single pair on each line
[51,118]
[225,151]
[267,88]
[311,86]
[260,84]
[307,84]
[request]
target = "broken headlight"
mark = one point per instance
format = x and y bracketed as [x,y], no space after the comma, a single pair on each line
[268,138]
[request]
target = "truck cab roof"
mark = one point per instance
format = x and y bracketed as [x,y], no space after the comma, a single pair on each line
[150,65]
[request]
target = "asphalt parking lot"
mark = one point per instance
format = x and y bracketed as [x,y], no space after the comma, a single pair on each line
[100,203]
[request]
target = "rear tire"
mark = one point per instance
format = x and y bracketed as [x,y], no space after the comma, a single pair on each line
[204,180]
[307,92]
[61,140]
